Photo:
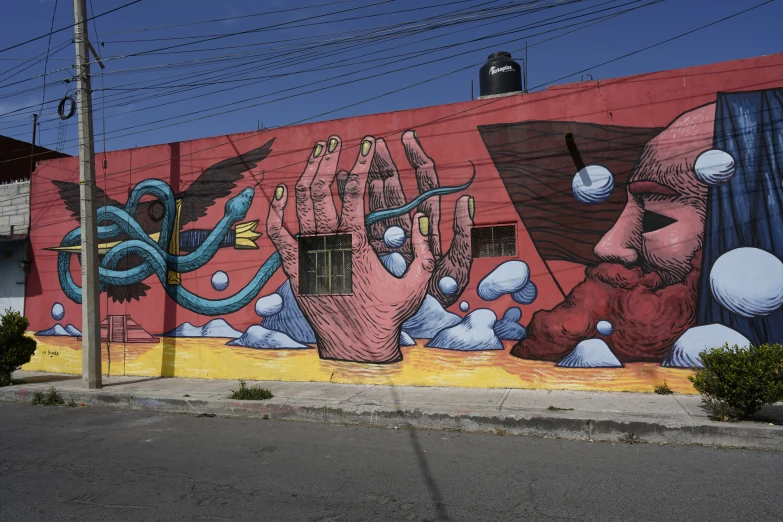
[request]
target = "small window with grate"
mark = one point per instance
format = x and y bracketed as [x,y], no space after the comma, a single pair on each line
[494,241]
[325,265]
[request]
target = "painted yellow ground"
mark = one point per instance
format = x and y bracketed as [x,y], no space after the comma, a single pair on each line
[211,359]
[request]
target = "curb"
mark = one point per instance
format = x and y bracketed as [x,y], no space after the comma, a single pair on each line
[612,428]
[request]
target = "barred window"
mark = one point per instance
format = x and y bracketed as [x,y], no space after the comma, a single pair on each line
[494,241]
[325,265]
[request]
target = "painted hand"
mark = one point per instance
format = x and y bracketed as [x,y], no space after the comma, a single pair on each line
[385,191]
[365,325]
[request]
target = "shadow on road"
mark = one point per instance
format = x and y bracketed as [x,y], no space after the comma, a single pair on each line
[429,479]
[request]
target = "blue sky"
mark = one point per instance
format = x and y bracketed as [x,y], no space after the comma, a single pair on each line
[138,115]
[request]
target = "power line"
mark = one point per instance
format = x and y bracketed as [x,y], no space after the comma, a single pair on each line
[46,63]
[472,108]
[57,100]
[282,57]
[200,112]
[214,20]
[66,27]
[362,102]
[405,54]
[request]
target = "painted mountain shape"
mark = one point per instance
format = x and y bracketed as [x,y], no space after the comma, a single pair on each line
[429,320]
[259,337]
[290,320]
[58,330]
[72,330]
[592,353]
[406,340]
[214,328]
[474,333]
[686,349]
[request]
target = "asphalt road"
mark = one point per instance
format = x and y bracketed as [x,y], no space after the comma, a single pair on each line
[103,464]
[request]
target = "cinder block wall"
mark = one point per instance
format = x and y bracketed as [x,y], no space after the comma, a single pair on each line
[15,208]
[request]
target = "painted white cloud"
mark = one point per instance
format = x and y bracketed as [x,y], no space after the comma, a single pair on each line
[269,305]
[474,333]
[508,278]
[259,337]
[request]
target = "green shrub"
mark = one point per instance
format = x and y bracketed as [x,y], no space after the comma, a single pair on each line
[737,381]
[50,398]
[663,389]
[253,393]
[16,348]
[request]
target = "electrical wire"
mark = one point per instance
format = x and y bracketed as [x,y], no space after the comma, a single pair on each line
[66,27]
[46,63]
[251,135]
[364,60]
[477,106]
[359,45]
[345,82]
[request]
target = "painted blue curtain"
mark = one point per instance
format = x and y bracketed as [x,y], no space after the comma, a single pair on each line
[746,211]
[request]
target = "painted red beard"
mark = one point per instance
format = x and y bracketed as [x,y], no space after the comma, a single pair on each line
[647,315]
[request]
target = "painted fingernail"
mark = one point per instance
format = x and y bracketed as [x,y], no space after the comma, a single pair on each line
[279,192]
[471,207]
[424,225]
[317,150]
[332,144]
[366,144]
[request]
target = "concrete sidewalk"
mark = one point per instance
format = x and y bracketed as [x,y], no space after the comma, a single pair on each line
[628,417]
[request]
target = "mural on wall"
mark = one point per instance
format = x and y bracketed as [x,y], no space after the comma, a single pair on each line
[692,260]
[675,234]
[140,239]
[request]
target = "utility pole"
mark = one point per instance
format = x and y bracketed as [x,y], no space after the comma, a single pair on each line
[32,148]
[91,323]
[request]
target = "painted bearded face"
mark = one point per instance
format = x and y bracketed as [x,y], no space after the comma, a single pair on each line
[646,283]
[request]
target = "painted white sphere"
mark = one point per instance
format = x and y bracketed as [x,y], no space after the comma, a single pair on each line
[394,237]
[714,167]
[593,184]
[58,312]
[748,281]
[604,328]
[464,306]
[448,285]
[220,280]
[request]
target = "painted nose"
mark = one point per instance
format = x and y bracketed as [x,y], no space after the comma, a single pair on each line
[622,243]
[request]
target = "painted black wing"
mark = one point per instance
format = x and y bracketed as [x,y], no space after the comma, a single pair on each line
[126,293]
[69,192]
[217,182]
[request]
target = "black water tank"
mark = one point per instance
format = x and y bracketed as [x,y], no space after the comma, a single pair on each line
[500,75]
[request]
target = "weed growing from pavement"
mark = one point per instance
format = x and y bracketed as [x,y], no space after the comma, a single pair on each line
[72,403]
[663,389]
[50,398]
[630,438]
[252,393]
[499,432]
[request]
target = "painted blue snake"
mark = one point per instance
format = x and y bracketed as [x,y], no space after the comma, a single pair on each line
[158,261]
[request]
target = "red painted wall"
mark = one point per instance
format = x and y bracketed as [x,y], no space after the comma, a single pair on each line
[449,135]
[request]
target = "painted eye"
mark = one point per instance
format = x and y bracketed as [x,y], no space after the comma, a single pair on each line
[652,221]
